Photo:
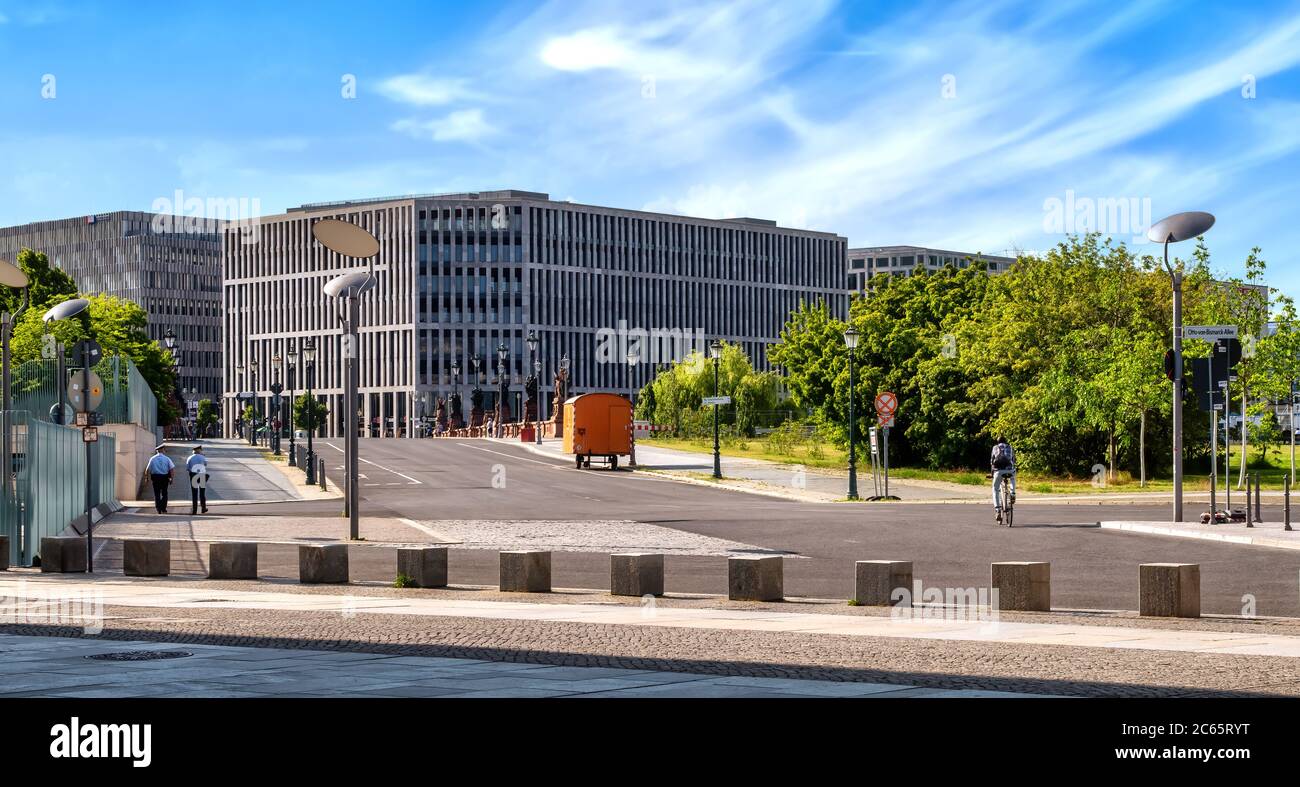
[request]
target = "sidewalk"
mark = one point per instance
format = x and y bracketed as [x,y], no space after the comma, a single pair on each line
[1263,534]
[68,669]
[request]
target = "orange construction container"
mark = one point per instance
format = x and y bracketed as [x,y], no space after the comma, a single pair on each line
[600,425]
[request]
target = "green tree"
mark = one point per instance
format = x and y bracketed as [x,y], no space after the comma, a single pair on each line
[309,413]
[46,284]
[205,420]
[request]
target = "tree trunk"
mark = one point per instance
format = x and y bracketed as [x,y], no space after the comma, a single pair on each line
[1142,450]
[1241,471]
[1111,448]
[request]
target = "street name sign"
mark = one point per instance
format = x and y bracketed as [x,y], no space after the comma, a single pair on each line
[1209,332]
[715,400]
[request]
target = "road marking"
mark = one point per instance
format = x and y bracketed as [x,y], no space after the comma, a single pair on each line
[420,527]
[512,456]
[410,481]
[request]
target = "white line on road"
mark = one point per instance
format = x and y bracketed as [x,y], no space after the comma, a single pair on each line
[512,456]
[420,527]
[411,481]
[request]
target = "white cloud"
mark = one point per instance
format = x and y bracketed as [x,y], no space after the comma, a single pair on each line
[423,90]
[464,125]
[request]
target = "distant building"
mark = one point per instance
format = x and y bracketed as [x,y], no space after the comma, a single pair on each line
[460,274]
[865,263]
[173,272]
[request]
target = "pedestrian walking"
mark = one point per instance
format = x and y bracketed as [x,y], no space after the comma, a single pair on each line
[197,465]
[161,470]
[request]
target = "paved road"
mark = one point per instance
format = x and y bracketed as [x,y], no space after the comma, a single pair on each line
[951,544]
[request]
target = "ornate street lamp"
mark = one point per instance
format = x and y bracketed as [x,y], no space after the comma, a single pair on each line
[291,355]
[532,342]
[503,385]
[275,406]
[257,402]
[309,362]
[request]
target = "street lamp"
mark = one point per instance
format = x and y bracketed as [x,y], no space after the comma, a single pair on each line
[349,240]
[309,362]
[66,311]
[240,381]
[276,405]
[291,355]
[537,386]
[851,342]
[715,352]
[257,402]
[1173,229]
[503,386]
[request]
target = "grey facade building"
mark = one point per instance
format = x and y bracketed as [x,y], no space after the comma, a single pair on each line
[460,274]
[171,269]
[865,263]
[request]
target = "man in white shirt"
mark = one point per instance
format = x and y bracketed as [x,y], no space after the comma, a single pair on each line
[197,466]
[160,470]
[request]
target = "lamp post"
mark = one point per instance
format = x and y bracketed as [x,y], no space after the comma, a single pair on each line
[309,364]
[240,382]
[349,240]
[537,386]
[503,386]
[257,402]
[851,342]
[276,405]
[66,311]
[455,420]
[633,358]
[1175,228]
[715,352]
[291,356]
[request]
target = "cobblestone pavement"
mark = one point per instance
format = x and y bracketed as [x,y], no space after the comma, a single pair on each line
[924,663]
[76,668]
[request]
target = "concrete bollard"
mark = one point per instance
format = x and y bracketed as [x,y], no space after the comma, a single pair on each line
[232,560]
[323,564]
[63,555]
[1022,586]
[425,566]
[526,571]
[1169,590]
[755,578]
[636,574]
[878,579]
[146,557]
[4,553]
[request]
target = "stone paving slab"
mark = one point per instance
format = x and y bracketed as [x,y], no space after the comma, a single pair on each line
[321,673]
[1264,534]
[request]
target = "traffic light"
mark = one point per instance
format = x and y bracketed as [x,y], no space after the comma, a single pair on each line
[1169,364]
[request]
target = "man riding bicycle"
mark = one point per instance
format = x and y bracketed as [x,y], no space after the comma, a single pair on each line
[1003,462]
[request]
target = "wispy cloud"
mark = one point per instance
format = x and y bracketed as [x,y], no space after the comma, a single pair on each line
[464,125]
[423,90]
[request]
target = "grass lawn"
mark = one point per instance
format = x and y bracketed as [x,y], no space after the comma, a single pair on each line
[1271,470]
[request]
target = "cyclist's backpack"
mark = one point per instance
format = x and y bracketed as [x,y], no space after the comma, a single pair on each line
[1002,456]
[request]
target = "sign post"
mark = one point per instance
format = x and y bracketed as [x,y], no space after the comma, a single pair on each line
[886,406]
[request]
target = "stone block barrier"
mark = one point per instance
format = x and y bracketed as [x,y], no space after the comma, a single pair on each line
[232,560]
[63,555]
[323,564]
[756,578]
[426,567]
[526,571]
[636,574]
[1022,586]
[146,557]
[876,581]
[1169,590]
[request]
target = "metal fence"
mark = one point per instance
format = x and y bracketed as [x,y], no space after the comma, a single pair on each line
[128,399]
[45,487]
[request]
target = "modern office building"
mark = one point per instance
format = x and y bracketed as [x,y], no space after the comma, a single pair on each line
[864,263]
[171,269]
[459,275]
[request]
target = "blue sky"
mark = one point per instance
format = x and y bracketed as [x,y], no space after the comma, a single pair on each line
[944,124]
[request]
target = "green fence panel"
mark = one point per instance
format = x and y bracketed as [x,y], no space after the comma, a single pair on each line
[46,487]
[128,399]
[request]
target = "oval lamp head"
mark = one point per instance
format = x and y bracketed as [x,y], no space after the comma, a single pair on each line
[345,238]
[1180,227]
[66,309]
[350,284]
[11,275]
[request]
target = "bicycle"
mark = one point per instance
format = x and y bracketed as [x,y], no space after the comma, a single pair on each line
[1008,501]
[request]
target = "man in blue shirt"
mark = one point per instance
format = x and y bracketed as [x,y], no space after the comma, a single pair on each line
[197,465]
[160,470]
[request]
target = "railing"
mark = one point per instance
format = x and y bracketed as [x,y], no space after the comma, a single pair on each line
[127,396]
[45,488]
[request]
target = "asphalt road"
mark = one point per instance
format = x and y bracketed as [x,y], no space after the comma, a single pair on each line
[950,544]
